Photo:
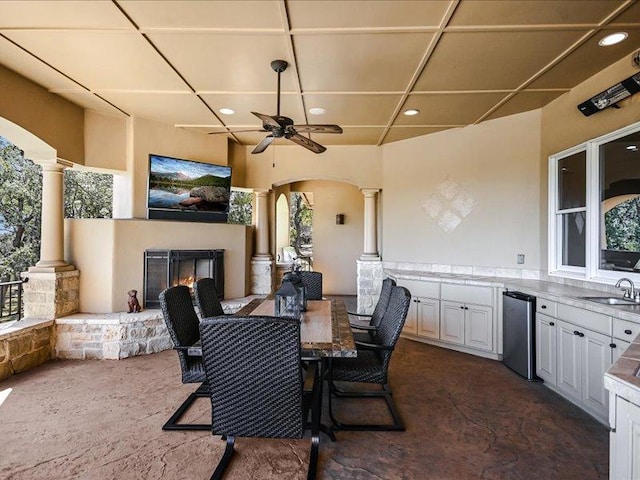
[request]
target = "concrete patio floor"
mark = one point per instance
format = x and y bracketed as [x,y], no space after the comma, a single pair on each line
[466,417]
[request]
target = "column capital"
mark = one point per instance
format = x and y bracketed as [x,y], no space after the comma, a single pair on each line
[54,165]
[370,192]
[261,192]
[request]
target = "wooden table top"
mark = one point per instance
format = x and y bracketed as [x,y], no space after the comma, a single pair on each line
[324,328]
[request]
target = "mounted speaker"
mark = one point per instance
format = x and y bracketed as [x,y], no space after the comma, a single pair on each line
[611,96]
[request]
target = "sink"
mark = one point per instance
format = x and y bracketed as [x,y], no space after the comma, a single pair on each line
[611,300]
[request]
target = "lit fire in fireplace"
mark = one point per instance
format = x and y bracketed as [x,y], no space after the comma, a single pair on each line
[188,281]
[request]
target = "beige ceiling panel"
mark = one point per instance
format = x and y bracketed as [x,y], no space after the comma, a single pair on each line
[532,12]
[200,14]
[448,109]
[359,62]
[353,14]
[365,109]
[30,67]
[61,14]
[243,104]
[351,136]
[236,63]
[523,102]
[163,107]
[101,59]
[630,15]
[89,101]
[402,133]
[491,60]
[586,61]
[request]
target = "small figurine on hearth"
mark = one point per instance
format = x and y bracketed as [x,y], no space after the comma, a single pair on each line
[134,305]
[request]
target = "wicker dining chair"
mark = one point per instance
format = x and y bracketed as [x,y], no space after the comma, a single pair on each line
[206,297]
[252,365]
[182,322]
[313,282]
[376,316]
[372,364]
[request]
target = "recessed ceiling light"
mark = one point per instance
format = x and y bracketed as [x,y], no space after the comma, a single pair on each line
[411,112]
[317,111]
[633,148]
[226,111]
[612,39]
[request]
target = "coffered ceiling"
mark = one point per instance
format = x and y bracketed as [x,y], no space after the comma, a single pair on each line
[458,62]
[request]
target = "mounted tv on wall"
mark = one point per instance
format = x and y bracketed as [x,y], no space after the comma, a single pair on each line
[187,190]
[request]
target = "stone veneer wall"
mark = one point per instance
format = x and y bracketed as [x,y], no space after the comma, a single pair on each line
[25,346]
[369,277]
[262,272]
[51,294]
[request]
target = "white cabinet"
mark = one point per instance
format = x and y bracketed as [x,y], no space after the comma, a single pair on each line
[428,317]
[625,441]
[617,349]
[546,348]
[466,324]
[452,321]
[423,318]
[583,356]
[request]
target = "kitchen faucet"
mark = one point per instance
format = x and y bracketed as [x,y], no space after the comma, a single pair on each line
[629,292]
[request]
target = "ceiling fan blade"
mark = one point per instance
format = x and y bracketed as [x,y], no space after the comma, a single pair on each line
[237,131]
[262,146]
[306,143]
[317,128]
[267,119]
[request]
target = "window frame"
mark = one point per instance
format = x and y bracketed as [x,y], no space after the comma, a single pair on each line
[591,271]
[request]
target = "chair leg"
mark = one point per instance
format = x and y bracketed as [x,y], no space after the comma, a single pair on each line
[385,393]
[313,457]
[172,423]
[225,460]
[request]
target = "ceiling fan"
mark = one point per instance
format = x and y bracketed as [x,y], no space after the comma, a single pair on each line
[279,126]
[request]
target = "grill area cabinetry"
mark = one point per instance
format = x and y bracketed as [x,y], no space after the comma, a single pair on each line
[167,268]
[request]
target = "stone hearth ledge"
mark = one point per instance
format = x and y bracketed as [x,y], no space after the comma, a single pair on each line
[114,336]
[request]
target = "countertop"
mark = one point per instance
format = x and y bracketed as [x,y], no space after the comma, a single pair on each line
[622,378]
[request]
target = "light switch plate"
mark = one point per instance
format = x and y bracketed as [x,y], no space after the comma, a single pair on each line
[520,258]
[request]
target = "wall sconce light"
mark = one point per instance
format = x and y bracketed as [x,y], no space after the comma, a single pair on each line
[340,219]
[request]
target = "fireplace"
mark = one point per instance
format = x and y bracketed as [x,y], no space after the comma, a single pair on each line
[165,268]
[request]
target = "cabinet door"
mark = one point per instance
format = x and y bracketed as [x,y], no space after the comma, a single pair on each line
[411,322]
[596,359]
[546,348]
[568,360]
[428,317]
[452,322]
[625,457]
[478,327]
[618,350]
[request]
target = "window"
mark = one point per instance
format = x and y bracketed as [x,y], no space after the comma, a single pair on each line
[240,206]
[594,208]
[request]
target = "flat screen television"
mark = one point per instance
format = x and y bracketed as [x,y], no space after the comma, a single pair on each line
[187,190]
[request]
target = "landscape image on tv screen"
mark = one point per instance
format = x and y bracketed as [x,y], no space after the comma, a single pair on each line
[176,184]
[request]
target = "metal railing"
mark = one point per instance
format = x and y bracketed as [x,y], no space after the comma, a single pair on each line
[11,300]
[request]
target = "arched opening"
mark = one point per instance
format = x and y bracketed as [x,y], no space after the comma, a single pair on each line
[282,227]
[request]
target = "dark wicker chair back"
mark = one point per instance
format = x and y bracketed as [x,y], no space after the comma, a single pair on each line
[393,320]
[253,369]
[206,296]
[383,302]
[313,282]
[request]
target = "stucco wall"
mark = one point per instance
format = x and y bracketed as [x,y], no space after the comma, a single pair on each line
[110,255]
[493,165]
[51,118]
[336,247]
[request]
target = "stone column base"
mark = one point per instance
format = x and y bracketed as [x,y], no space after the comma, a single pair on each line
[262,270]
[51,295]
[370,275]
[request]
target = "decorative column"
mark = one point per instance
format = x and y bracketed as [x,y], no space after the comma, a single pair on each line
[370,272]
[262,264]
[53,287]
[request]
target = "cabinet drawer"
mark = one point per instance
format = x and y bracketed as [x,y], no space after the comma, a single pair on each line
[625,330]
[546,306]
[585,318]
[421,289]
[467,294]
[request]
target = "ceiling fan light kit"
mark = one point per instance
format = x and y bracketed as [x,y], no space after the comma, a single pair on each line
[278,126]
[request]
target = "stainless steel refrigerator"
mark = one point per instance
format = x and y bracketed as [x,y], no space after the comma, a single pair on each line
[518,333]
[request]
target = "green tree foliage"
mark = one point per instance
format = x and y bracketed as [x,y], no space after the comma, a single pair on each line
[300,232]
[240,207]
[20,207]
[87,194]
[622,224]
